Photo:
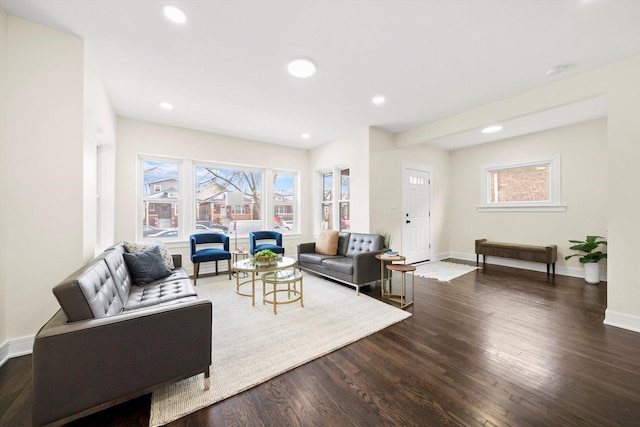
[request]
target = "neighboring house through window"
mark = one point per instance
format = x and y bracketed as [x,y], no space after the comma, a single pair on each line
[526,185]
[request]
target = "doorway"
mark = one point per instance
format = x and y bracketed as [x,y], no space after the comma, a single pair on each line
[416,198]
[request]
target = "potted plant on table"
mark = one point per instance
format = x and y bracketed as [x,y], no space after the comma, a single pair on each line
[590,257]
[265,257]
[386,237]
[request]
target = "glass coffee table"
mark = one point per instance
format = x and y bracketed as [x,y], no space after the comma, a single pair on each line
[248,266]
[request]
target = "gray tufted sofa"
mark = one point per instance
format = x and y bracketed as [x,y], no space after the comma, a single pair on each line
[112,341]
[354,264]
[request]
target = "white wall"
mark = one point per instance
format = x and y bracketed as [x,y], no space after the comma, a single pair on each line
[386,185]
[623,292]
[136,137]
[583,151]
[349,151]
[43,167]
[3,182]
[99,123]
[620,84]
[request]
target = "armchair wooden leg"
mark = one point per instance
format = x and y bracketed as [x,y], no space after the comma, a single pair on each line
[196,268]
[229,263]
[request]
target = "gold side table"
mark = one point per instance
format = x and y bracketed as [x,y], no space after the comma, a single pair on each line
[238,256]
[405,297]
[387,259]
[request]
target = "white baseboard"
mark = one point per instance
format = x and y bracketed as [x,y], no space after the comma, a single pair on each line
[526,265]
[16,347]
[621,320]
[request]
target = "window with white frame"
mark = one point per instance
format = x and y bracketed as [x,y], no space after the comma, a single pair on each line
[160,198]
[284,201]
[201,198]
[526,185]
[326,222]
[212,183]
[345,223]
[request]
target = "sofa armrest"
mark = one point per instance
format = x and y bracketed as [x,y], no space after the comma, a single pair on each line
[91,364]
[306,248]
[366,267]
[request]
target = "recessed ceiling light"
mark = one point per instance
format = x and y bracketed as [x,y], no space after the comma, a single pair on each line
[305,136]
[166,106]
[174,14]
[492,129]
[301,68]
[378,100]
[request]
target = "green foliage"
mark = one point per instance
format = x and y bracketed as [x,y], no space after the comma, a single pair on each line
[265,253]
[387,238]
[588,247]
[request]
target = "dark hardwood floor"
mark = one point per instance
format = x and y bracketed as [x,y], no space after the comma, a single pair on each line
[496,347]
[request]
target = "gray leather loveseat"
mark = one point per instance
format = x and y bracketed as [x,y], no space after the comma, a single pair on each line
[354,262]
[113,340]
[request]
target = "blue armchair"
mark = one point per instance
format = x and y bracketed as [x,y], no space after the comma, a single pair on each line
[273,238]
[209,253]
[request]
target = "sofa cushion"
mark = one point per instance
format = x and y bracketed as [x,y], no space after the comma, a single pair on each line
[342,265]
[145,267]
[314,258]
[89,292]
[133,248]
[161,292]
[327,242]
[359,243]
[118,268]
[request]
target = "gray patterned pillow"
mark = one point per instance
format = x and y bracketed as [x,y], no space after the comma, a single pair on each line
[134,248]
[145,267]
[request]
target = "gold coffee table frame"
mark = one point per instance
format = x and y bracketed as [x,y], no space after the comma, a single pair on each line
[246,266]
[282,277]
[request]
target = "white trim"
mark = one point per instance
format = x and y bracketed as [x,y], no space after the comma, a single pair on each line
[555,187]
[621,320]
[521,208]
[15,348]
[525,265]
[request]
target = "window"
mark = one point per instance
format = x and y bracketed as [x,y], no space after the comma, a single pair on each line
[160,198]
[327,201]
[344,200]
[201,197]
[528,185]
[211,185]
[284,201]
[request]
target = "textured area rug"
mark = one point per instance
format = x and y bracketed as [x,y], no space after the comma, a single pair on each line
[252,345]
[442,270]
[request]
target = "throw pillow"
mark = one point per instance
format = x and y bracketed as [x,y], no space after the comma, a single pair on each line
[145,267]
[133,248]
[327,242]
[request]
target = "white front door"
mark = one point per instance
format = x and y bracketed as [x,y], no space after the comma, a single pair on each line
[416,245]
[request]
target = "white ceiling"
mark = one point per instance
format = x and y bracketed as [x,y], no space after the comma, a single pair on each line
[225,69]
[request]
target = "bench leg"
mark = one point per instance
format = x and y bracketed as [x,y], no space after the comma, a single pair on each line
[547,270]
[484,260]
[477,259]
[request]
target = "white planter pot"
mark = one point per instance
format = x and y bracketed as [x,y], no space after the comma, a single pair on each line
[592,273]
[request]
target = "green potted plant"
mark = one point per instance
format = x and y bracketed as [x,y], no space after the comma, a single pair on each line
[386,237]
[590,257]
[265,257]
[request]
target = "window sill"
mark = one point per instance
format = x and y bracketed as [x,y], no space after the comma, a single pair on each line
[521,208]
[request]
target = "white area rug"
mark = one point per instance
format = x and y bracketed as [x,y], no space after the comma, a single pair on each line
[252,345]
[442,270]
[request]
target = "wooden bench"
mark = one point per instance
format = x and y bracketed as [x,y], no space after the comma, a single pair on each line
[546,254]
